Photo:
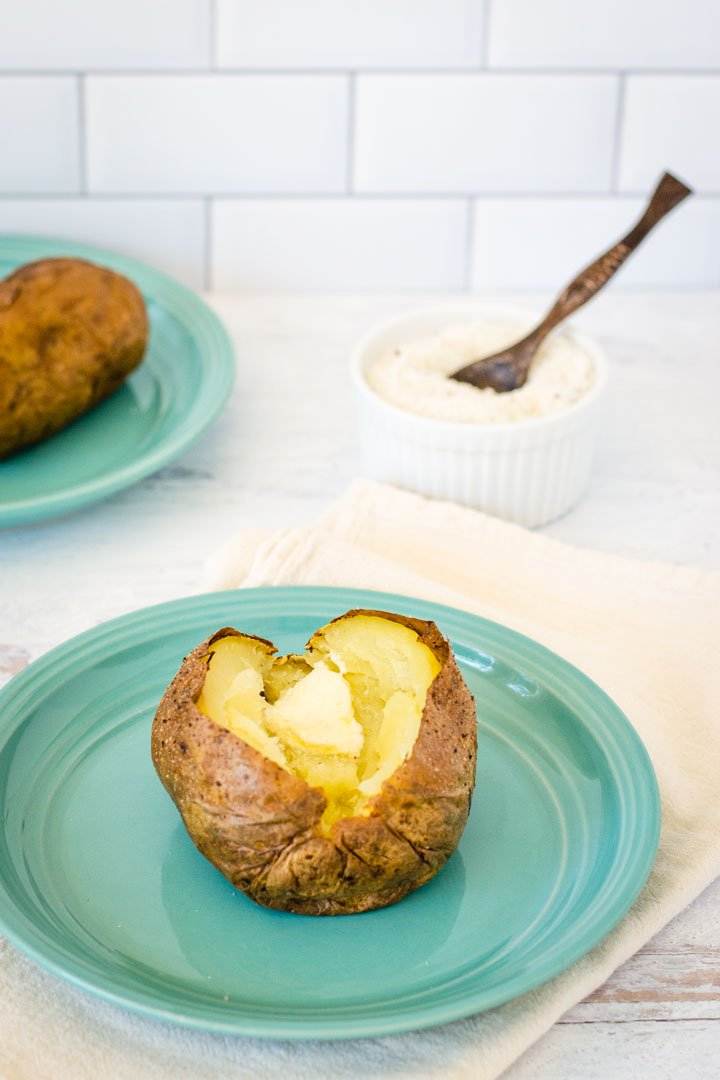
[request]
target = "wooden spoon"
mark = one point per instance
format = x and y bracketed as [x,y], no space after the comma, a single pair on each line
[508,370]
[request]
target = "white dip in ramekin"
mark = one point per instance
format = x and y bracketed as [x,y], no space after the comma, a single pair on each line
[414,376]
[524,455]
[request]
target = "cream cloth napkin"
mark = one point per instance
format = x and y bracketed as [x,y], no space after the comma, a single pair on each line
[648,633]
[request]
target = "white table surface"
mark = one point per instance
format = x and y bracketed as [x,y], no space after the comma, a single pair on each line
[285,446]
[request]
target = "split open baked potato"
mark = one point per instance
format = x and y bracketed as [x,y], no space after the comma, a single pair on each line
[70,334]
[325,783]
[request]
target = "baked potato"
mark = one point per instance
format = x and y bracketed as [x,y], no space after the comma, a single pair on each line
[327,783]
[70,333]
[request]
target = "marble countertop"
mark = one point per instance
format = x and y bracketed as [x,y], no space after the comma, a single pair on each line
[286,445]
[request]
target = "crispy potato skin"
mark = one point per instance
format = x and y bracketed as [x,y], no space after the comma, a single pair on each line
[259,825]
[70,333]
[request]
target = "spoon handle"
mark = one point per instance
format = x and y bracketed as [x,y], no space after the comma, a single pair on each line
[669,192]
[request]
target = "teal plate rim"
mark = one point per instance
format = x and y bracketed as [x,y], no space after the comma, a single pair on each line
[627,756]
[197,318]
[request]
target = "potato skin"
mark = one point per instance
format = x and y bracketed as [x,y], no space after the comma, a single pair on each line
[70,333]
[259,825]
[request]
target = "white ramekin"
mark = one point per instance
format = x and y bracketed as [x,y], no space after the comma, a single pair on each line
[529,471]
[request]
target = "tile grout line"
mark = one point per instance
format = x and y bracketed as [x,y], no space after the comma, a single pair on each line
[82,135]
[350,149]
[618,137]
[213,36]
[485,40]
[336,196]
[400,72]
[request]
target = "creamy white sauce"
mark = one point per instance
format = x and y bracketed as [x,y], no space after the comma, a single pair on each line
[413,377]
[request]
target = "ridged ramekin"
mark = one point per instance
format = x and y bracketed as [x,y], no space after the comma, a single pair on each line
[528,471]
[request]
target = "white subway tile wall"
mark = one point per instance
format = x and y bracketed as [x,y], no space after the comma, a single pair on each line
[39,134]
[216,133]
[169,233]
[87,34]
[340,244]
[629,34]
[350,34]
[467,133]
[540,242]
[364,144]
[676,120]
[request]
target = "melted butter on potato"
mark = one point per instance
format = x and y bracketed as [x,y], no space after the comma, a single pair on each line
[344,716]
[318,712]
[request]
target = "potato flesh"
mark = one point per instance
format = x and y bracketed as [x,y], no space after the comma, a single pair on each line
[318,712]
[344,717]
[231,693]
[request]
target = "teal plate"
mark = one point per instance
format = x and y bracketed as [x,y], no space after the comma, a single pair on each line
[178,390]
[100,883]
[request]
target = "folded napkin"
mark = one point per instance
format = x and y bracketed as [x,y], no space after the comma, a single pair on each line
[648,633]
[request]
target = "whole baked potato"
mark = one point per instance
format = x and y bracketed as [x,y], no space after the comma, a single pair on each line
[70,333]
[329,783]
